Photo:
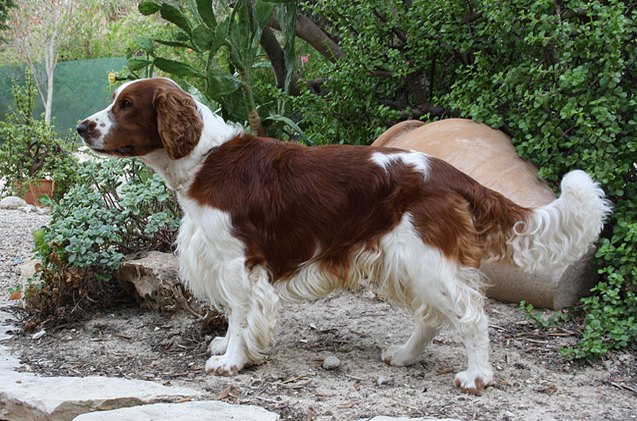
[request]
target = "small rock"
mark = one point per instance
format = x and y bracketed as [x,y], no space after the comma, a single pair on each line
[12,202]
[331,362]
[39,334]
[27,270]
[43,210]
[153,278]
[382,380]
[385,418]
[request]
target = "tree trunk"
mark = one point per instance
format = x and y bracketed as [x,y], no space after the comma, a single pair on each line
[274,52]
[311,33]
[48,105]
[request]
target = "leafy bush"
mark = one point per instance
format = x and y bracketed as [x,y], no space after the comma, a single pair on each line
[120,207]
[569,102]
[217,55]
[558,77]
[31,149]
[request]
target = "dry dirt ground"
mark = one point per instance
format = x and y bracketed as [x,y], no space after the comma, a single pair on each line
[532,383]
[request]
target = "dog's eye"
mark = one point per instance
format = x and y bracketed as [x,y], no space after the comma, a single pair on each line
[125,104]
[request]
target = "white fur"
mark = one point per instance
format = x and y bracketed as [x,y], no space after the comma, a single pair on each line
[179,173]
[562,231]
[212,265]
[418,160]
[418,277]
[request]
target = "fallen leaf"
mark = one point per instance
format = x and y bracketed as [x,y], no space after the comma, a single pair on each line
[15,295]
[225,393]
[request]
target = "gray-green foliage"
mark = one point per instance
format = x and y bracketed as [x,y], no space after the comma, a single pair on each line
[5,5]
[119,208]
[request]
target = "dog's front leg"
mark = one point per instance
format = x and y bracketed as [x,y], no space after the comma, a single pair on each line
[253,307]
[234,356]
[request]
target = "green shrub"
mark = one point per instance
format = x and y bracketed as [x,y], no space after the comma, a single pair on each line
[120,207]
[565,89]
[30,149]
[558,77]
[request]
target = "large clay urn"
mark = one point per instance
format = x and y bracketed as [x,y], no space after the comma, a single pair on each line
[488,156]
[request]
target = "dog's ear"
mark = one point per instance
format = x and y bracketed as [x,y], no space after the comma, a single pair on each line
[178,121]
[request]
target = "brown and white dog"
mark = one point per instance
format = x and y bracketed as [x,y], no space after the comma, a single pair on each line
[265,219]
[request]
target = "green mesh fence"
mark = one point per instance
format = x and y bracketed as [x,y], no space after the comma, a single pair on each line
[80,88]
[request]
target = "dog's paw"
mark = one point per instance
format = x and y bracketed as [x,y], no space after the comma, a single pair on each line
[218,345]
[398,356]
[472,382]
[224,365]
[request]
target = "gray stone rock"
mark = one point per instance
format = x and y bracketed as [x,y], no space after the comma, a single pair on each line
[331,362]
[24,396]
[154,278]
[27,270]
[13,202]
[187,411]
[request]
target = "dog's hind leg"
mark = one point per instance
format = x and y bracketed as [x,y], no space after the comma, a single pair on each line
[463,304]
[218,345]
[402,355]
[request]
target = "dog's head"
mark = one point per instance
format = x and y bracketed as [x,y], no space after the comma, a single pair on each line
[145,115]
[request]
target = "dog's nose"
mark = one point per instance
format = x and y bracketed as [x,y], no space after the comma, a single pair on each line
[81,129]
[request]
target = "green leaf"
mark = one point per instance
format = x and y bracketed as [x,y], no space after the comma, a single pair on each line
[135,64]
[202,37]
[287,121]
[148,7]
[262,12]
[176,68]
[174,15]
[220,84]
[145,44]
[204,7]
[221,32]
[173,43]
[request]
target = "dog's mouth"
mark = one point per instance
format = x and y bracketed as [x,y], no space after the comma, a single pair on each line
[127,150]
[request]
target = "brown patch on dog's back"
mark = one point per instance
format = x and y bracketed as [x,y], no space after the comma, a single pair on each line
[290,203]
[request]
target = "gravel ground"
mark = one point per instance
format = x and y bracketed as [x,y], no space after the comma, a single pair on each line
[16,245]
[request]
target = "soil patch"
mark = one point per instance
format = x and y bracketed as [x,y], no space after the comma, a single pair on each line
[532,382]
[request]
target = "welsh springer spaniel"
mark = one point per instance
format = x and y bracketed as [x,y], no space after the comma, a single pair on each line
[265,219]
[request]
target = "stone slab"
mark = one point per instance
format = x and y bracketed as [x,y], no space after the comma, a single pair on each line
[187,411]
[488,156]
[153,278]
[24,396]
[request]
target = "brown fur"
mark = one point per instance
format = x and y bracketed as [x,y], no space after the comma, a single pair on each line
[289,201]
[148,116]
[178,121]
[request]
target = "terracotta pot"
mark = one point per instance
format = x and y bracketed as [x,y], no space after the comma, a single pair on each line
[36,189]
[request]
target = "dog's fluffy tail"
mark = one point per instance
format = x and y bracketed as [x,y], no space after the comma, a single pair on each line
[562,231]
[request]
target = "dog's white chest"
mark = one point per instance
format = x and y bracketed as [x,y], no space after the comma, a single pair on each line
[209,255]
